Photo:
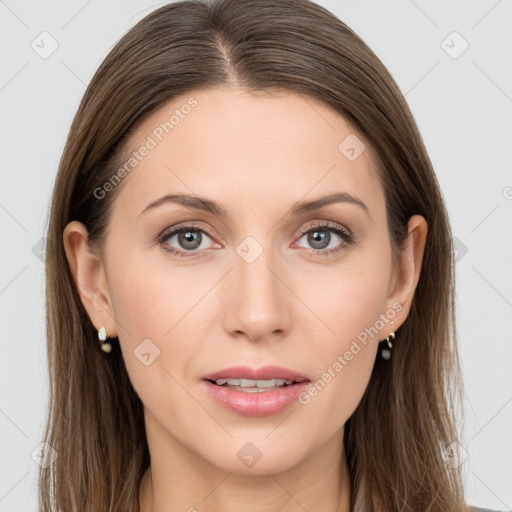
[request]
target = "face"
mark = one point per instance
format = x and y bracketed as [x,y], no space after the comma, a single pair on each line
[264,283]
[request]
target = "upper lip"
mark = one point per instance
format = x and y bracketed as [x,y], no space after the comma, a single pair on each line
[262,373]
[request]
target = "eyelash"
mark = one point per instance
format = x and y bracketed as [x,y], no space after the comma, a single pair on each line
[347,238]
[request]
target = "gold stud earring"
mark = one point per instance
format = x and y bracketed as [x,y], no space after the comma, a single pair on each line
[106,346]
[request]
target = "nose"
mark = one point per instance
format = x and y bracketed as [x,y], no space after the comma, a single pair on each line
[258,304]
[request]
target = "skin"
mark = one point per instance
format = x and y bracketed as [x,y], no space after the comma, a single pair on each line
[256,155]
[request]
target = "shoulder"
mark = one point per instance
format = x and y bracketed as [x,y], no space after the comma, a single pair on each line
[478,509]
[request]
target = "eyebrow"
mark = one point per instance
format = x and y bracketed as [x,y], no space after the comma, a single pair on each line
[209,206]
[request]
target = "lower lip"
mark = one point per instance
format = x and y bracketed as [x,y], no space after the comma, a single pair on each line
[259,403]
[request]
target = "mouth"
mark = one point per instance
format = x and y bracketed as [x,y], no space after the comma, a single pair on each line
[249,391]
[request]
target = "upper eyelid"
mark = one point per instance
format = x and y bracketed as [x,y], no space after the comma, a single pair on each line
[171,231]
[327,224]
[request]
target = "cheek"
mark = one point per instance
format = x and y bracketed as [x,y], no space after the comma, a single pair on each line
[158,309]
[150,297]
[350,301]
[353,309]
[150,305]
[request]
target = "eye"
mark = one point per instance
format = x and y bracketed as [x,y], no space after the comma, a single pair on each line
[188,239]
[320,238]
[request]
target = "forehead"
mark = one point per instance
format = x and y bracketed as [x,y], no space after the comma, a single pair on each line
[239,147]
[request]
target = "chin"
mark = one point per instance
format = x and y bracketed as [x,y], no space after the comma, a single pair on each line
[257,457]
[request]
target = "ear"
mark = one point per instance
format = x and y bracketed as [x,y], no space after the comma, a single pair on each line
[88,273]
[406,275]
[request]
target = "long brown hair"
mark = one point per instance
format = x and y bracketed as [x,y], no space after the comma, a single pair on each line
[396,439]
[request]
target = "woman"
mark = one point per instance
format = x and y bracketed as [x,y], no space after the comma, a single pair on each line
[249,277]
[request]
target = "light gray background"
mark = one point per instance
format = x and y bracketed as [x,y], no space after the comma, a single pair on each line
[463,107]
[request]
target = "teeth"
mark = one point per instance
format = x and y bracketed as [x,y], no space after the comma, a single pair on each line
[249,383]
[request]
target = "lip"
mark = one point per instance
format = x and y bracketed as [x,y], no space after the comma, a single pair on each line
[260,403]
[263,373]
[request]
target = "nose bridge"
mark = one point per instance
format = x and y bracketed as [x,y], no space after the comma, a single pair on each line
[257,305]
